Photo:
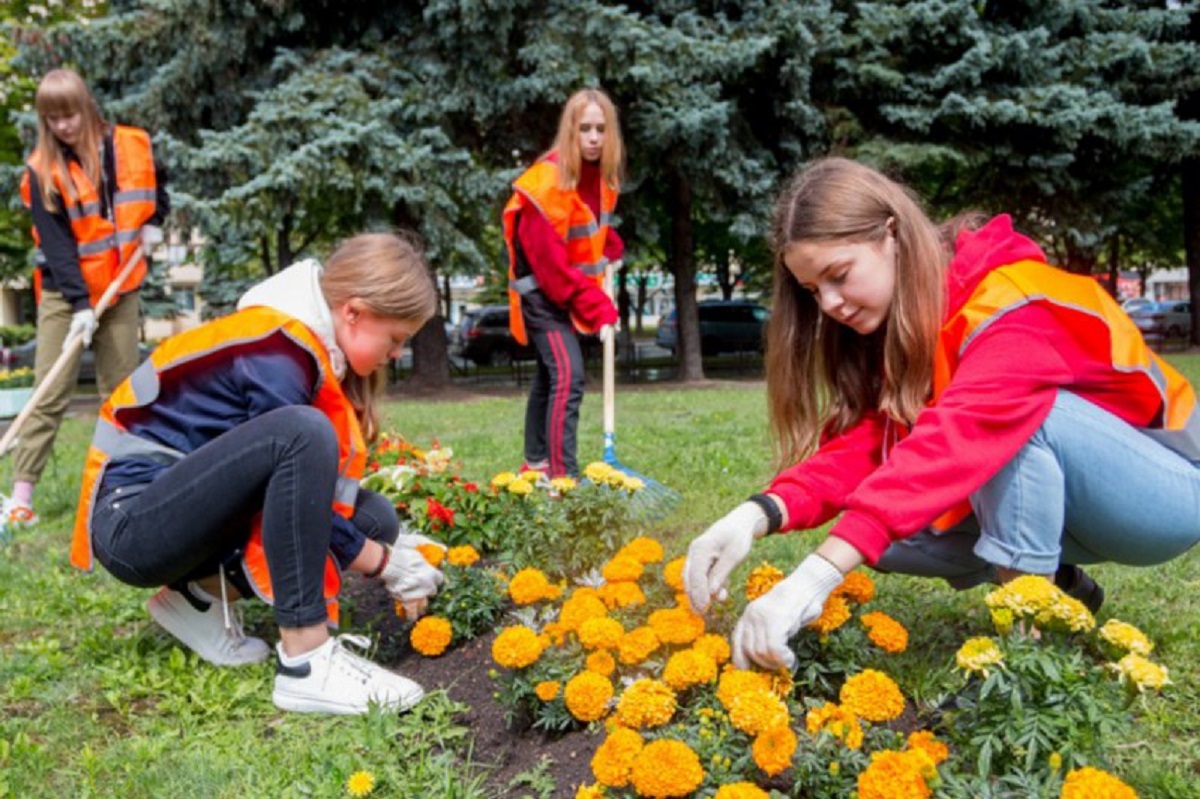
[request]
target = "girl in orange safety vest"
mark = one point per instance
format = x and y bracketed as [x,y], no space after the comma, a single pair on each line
[228,464]
[971,412]
[558,228]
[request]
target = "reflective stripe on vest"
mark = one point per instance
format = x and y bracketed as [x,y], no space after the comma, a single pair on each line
[1011,287]
[571,219]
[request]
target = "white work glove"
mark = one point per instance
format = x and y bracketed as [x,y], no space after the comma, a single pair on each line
[410,580]
[769,622]
[83,324]
[718,551]
[414,540]
[152,236]
[607,333]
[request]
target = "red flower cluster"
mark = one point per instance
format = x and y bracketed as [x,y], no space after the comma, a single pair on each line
[440,516]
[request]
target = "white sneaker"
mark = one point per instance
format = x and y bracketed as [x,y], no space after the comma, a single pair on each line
[16,515]
[332,679]
[212,633]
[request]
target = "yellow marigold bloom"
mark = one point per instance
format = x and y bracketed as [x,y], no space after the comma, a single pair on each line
[976,655]
[1125,637]
[872,695]
[1092,783]
[462,556]
[928,743]
[555,633]
[835,613]
[532,476]
[741,790]
[601,633]
[755,711]
[885,632]
[1142,673]
[614,758]
[517,647]
[715,646]
[601,662]
[587,696]
[838,722]
[622,569]
[616,479]
[893,775]
[503,479]
[528,586]
[431,635]
[597,472]
[676,625]
[646,703]
[689,667]
[1025,596]
[579,608]
[547,690]
[673,574]
[682,602]
[521,487]
[666,768]
[589,792]
[761,580]
[857,587]
[360,783]
[633,484]
[734,682]
[637,645]
[563,485]
[643,549]
[434,555]
[1066,612]
[781,683]
[773,748]
[1002,619]
[621,595]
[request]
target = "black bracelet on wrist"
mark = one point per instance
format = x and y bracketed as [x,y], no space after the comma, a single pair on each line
[383,562]
[774,514]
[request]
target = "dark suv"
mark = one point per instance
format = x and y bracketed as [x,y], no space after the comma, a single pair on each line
[725,326]
[484,338]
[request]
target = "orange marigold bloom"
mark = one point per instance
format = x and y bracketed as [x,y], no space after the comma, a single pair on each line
[555,633]
[757,710]
[872,695]
[547,690]
[517,647]
[528,586]
[741,790]
[735,681]
[601,662]
[857,587]
[581,607]
[601,633]
[715,646]
[462,556]
[676,625]
[646,703]
[621,595]
[637,645]
[614,758]
[838,722]
[643,549]
[587,696]
[893,775]
[689,667]
[885,632]
[773,748]
[673,574]
[761,580]
[622,569]
[588,791]
[666,768]
[930,745]
[431,635]
[1092,783]
[835,613]
[434,555]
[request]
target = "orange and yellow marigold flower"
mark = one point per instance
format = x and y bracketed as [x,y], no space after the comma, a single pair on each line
[666,768]
[856,587]
[928,743]
[761,580]
[600,633]
[601,662]
[431,635]
[637,645]
[462,556]
[1092,783]
[517,647]
[741,790]
[614,758]
[838,722]
[872,695]
[646,703]
[689,667]
[673,574]
[547,690]
[676,625]
[531,585]
[773,748]
[885,632]
[587,696]
[757,710]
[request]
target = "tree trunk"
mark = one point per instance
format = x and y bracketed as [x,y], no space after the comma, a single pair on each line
[283,243]
[642,280]
[623,299]
[447,311]
[683,266]
[430,348]
[1114,263]
[1191,237]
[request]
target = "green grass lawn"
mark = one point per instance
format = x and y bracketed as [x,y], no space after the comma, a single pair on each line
[96,701]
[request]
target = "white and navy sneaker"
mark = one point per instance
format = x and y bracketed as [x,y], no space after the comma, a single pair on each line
[332,679]
[211,629]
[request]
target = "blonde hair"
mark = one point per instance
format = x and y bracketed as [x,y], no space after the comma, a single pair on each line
[387,273]
[822,377]
[63,93]
[566,143]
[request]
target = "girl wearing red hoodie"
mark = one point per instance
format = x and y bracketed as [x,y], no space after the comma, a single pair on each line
[953,407]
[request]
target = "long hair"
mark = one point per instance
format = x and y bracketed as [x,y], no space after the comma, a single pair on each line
[612,156]
[822,377]
[63,93]
[388,273]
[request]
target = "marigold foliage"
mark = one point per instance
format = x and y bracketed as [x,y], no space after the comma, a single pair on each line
[517,647]
[885,632]
[587,696]
[637,645]
[431,635]
[666,768]
[872,695]
[601,633]
[360,784]
[894,775]
[689,667]
[614,758]
[646,703]
[761,580]
[1092,783]
[773,748]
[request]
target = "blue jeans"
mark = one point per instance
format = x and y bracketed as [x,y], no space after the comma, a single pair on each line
[1086,488]
[195,516]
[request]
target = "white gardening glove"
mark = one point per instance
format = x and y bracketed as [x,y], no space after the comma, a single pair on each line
[152,236]
[769,622]
[608,333]
[414,540]
[410,580]
[718,551]
[83,324]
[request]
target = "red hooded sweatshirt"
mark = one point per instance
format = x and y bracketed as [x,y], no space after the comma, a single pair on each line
[889,485]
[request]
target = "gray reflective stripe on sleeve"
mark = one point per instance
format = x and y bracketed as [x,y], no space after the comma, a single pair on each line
[606,219]
[116,443]
[346,491]
[144,382]
[127,236]
[597,268]
[135,195]
[39,257]
[98,246]
[523,285]
[77,212]
[582,231]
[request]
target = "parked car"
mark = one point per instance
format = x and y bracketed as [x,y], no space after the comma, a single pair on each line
[725,326]
[1171,319]
[23,355]
[484,338]
[1136,304]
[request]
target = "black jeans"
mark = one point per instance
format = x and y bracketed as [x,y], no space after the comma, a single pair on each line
[196,515]
[555,395]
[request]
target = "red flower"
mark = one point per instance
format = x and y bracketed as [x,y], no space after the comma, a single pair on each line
[439,514]
[470,488]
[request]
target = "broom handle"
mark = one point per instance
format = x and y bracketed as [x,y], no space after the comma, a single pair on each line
[70,347]
[610,382]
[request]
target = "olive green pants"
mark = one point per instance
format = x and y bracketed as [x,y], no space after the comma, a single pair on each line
[116,346]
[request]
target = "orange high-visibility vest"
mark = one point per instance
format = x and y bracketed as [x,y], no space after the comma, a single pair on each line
[1067,296]
[103,243]
[571,219]
[244,329]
